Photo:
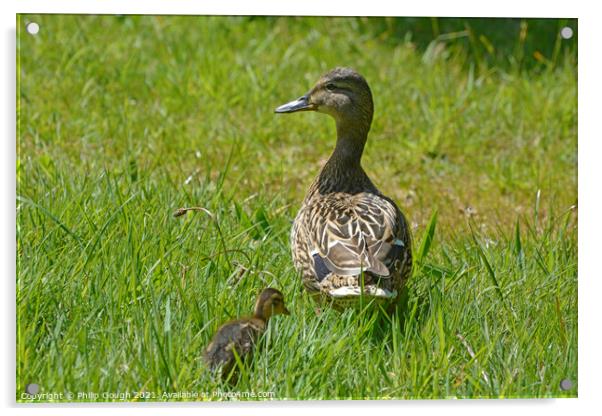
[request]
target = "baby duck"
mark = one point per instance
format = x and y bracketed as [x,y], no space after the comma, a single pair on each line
[242,334]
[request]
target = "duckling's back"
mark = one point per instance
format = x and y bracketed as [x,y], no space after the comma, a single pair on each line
[240,336]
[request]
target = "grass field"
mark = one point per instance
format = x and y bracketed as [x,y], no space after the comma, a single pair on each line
[122,120]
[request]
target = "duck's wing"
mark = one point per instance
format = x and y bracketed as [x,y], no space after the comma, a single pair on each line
[354,234]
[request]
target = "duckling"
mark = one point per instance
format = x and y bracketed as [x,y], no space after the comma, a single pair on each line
[241,335]
[348,240]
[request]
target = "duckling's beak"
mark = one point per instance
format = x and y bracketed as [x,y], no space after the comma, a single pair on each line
[286,311]
[300,104]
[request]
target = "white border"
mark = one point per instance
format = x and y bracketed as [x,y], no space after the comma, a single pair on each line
[590,215]
[553,8]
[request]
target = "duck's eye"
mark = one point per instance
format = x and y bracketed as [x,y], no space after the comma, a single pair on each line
[331,87]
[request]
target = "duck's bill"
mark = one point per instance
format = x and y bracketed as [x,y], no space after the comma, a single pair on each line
[370,291]
[300,104]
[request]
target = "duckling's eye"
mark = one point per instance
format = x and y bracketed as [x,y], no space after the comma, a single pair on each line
[331,87]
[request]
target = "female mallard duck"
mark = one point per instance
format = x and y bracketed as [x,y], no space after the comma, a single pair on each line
[346,230]
[240,335]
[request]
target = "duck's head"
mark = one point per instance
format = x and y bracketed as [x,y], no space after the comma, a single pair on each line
[342,93]
[270,302]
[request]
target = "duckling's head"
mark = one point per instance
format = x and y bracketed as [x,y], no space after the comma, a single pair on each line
[270,302]
[342,93]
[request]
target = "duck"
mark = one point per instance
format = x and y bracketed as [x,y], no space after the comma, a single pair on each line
[241,335]
[348,240]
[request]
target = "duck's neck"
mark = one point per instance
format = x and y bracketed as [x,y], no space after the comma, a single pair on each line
[259,314]
[348,151]
[343,171]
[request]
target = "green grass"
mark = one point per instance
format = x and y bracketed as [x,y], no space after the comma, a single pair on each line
[122,120]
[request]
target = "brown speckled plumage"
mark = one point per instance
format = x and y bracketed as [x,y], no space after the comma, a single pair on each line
[346,228]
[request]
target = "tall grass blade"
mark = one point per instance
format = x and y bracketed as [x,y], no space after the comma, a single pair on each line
[518,246]
[427,240]
[490,271]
